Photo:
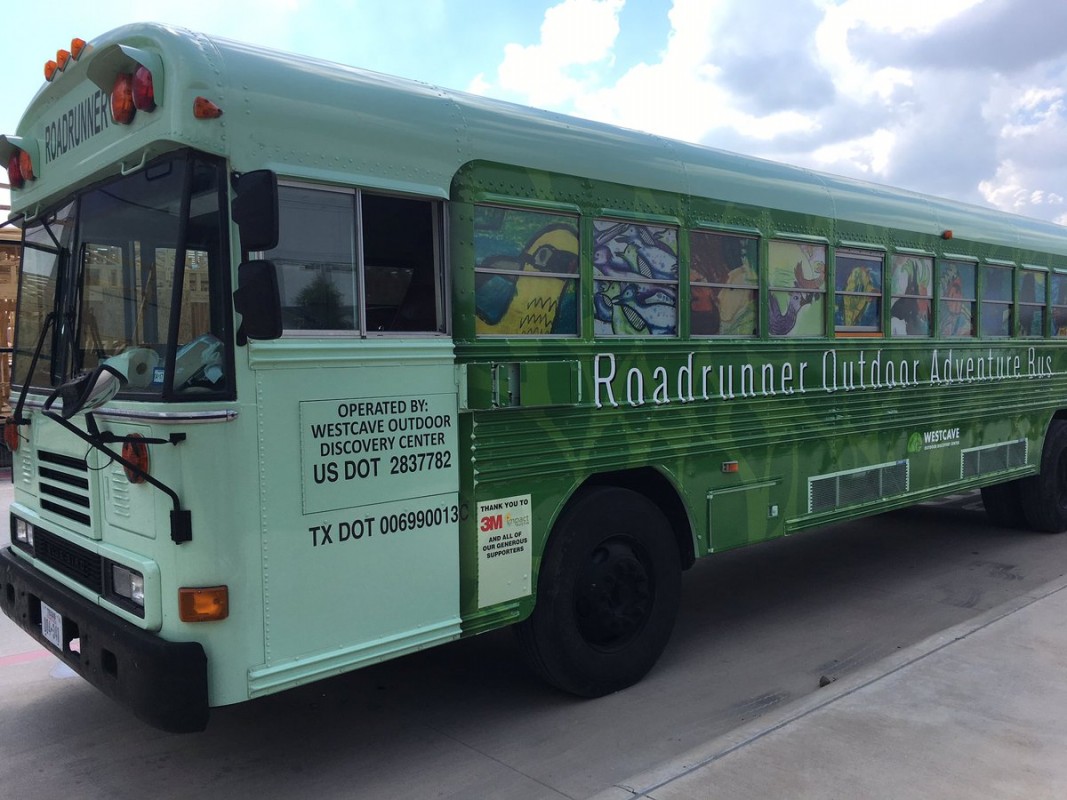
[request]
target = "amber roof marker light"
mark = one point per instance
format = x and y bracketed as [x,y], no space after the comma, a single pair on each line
[205,109]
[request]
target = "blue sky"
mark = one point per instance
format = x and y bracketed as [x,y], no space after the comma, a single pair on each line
[960,98]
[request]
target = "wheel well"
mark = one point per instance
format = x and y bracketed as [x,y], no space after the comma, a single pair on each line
[653,485]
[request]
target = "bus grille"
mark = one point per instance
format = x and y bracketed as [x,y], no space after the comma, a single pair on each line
[75,562]
[64,488]
[841,489]
[993,458]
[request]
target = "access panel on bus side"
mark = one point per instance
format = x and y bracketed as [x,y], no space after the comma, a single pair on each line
[360,504]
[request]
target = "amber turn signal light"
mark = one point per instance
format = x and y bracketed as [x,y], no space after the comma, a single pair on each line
[203,604]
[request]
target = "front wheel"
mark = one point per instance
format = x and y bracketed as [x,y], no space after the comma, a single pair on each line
[607,594]
[1044,496]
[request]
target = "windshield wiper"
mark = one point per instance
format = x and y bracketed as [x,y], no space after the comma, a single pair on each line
[49,321]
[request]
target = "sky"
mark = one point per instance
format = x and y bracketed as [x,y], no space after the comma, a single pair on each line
[965,99]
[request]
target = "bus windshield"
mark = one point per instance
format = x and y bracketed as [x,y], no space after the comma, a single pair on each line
[132,271]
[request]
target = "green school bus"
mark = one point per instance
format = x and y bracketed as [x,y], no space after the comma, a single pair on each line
[317,367]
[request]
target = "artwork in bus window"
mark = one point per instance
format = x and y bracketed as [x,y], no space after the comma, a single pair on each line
[636,287]
[723,285]
[859,292]
[797,275]
[526,265]
[996,301]
[1031,303]
[913,291]
[1059,305]
[957,292]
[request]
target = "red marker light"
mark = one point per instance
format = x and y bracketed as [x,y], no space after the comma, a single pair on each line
[122,107]
[50,69]
[144,93]
[26,165]
[136,452]
[14,172]
[62,58]
[76,47]
[11,436]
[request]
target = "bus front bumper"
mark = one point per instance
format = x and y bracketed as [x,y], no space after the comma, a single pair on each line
[163,683]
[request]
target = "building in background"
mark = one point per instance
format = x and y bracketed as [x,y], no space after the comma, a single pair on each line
[9,261]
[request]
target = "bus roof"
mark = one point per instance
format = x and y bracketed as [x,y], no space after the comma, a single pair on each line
[316,120]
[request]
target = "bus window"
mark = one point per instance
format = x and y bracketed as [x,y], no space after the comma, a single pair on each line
[401,261]
[798,288]
[724,284]
[319,264]
[636,279]
[996,301]
[956,298]
[526,272]
[1059,304]
[316,259]
[1032,302]
[858,296]
[913,292]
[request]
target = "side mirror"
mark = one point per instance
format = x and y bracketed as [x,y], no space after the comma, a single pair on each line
[255,209]
[88,391]
[258,301]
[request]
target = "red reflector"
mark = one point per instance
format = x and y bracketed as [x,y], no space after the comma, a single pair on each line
[11,436]
[14,172]
[122,108]
[205,109]
[136,452]
[144,93]
[730,467]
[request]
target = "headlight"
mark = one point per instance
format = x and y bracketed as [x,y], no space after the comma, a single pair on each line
[23,532]
[127,584]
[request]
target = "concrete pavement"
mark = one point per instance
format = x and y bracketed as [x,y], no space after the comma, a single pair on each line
[977,711]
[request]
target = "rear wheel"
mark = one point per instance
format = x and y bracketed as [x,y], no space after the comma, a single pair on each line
[1044,496]
[1004,505]
[607,594]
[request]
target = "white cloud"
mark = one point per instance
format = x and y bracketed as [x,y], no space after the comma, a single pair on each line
[830,84]
[575,34]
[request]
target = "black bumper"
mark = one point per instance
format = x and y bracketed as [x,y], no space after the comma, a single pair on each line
[163,683]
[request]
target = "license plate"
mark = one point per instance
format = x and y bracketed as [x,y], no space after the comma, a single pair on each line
[52,626]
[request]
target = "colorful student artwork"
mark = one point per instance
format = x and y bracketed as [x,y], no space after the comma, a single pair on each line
[635,289]
[913,291]
[526,266]
[956,282]
[797,273]
[858,281]
[724,286]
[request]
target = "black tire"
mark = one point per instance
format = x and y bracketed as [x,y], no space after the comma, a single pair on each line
[607,594]
[1004,505]
[1044,496]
